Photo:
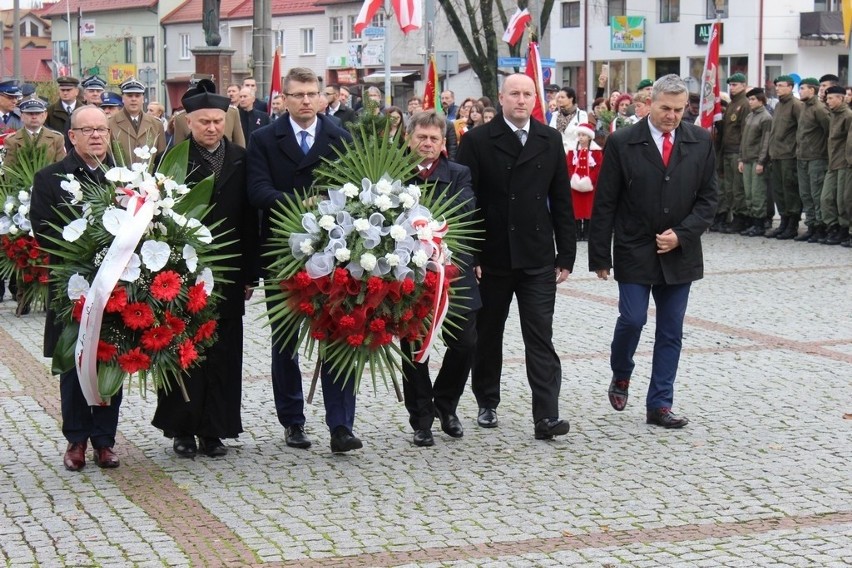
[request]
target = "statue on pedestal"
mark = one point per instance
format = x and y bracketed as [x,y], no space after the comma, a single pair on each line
[210,22]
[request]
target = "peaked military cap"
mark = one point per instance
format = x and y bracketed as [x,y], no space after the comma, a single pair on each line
[93,83]
[131,85]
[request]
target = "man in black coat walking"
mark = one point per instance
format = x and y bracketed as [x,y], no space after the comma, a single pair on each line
[423,400]
[215,387]
[522,189]
[657,195]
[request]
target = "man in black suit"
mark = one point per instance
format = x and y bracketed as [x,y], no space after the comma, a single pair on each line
[337,109]
[250,118]
[520,179]
[281,161]
[656,195]
[89,135]
[215,387]
[422,399]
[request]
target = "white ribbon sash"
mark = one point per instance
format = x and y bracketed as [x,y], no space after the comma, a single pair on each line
[441,305]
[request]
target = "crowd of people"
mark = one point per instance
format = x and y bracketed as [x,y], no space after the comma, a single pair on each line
[631,174]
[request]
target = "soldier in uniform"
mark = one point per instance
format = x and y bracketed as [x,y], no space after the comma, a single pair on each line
[753,159]
[34,113]
[132,128]
[111,103]
[59,113]
[732,195]
[10,118]
[782,153]
[812,154]
[93,88]
[837,177]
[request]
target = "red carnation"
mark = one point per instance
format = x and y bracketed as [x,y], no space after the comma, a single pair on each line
[346,322]
[377,325]
[133,361]
[157,338]
[138,315]
[34,253]
[77,311]
[197,299]
[355,340]
[27,277]
[174,323]
[341,274]
[306,308]
[187,354]
[406,315]
[302,279]
[431,280]
[166,286]
[422,311]
[106,351]
[407,286]
[318,334]
[117,300]
[205,331]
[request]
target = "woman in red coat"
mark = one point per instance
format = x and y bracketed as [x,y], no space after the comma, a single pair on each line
[584,165]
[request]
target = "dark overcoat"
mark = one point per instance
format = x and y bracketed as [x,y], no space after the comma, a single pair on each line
[638,197]
[523,196]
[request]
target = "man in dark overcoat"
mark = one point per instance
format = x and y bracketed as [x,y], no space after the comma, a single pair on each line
[423,400]
[89,136]
[215,387]
[656,194]
[520,178]
[282,158]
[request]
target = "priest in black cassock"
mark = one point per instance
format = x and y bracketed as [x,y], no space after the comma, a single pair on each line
[215,387]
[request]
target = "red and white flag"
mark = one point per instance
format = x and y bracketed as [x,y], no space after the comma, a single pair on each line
[365,16]
[275,79]
[432,95]
[534,72]
[409,14]
[711,100]
[515,27]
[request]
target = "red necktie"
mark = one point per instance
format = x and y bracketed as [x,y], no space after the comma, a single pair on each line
[667,148]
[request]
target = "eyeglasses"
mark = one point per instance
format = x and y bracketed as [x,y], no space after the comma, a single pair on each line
[88,131]
[311,95]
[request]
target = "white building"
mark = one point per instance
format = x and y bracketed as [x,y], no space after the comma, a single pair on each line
[760,38]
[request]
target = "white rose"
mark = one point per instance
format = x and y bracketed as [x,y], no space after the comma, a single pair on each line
[342,254]
[306,246]
[407,201]
[424,233]
[74,230]
[383,187]
[77,286]
[367,261]
[397,233]
[419,259]
[383,202]
[413,191]
[9,207]
[13,230]
[350,190]
[393,259]
[361,224]
[327,222]
[24,209]
[23,196]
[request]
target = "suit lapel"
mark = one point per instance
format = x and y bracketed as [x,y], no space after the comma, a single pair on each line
[536,143]
[287,140]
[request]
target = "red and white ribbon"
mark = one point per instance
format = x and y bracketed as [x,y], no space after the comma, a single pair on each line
[442,290]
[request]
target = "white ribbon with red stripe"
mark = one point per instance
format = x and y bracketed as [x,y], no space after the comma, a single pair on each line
[436,263]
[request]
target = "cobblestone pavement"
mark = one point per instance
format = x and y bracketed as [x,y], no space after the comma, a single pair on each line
[760,477]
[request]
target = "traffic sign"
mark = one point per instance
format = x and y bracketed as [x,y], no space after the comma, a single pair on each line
[510,61]
[374,32]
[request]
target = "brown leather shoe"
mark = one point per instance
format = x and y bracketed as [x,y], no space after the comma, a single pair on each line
[666,418]
[75,456]
[106,458]
[618,393]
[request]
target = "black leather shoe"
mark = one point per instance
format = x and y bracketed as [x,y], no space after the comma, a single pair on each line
[296,437]
[450,424]
[423,438]
[487,418]
[547,428]
[212,447]
[666,418]
[342,440]
[184,446]
[618,393]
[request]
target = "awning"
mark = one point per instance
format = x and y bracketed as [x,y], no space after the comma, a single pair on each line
[396,76]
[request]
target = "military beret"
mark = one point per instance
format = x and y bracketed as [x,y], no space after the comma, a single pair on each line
[783,79]
[111,99]
[131,85]
[10,88]
[33,105]
[68,81]
[829,77]
[644,83]
[755,91]
[835,90]
[809,81]
[93,83]
[197,99]
[736,78]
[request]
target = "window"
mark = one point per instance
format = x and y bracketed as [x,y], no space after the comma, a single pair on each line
[185,53]
[60,52]
[352,34]
[279,42]
[378,20]
[148,51]
[307,41]
[669,11]
[717,5]
[615,8]
[336,28]
[128,49]
[827,5]
[570,14]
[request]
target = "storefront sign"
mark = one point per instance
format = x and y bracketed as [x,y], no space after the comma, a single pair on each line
[627,33]
[702,33]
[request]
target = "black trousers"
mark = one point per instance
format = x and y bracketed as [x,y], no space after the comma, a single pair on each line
[81,422]
[535,291]
[422,398]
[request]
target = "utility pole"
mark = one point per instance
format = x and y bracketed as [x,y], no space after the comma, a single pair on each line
[262,45]
[16,40]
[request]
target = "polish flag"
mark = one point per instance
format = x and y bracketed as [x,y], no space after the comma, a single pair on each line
[409,14]
[275,79]
[515,27]
[711,100]
[534,72]
[365,16]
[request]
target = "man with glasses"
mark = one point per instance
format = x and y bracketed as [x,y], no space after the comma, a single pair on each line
[90,139]
[10,118]
[336,108]
[132,128]
[281,162]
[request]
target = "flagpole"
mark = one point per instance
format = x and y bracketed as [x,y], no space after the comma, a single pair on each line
[387,55]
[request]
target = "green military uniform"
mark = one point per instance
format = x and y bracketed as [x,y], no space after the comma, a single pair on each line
[754,152]
[838,175]
[812,157]
[782,169]
[732,201]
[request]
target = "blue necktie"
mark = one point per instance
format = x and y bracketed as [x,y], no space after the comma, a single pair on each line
[304,143]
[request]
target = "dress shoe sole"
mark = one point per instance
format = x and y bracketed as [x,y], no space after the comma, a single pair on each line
[71,467]
[559,430]
[670,425]
[347,448]
[106,464]
[299,445]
